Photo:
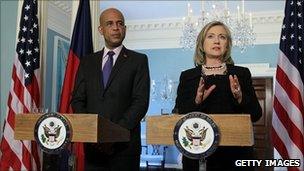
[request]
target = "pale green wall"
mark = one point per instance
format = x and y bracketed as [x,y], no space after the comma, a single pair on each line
[8,38]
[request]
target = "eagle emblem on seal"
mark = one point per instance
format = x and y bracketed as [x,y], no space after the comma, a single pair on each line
[195,135]
[51,133]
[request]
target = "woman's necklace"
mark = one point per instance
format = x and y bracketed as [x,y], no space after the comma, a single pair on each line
[213,70]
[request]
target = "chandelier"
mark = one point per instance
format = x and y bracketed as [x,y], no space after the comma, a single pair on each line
[239,24]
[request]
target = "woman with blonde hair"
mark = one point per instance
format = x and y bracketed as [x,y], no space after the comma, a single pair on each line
[216,86]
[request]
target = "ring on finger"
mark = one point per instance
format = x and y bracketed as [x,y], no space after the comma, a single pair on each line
[237,90]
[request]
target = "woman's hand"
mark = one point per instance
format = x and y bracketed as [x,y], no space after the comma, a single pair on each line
[202,93]
[235,88]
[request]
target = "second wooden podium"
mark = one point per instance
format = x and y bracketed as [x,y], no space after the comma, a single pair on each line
[235,129]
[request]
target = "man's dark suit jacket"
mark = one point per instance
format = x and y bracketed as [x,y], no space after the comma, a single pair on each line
[124,100]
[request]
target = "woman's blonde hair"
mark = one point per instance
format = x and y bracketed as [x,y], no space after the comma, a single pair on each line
[199,55]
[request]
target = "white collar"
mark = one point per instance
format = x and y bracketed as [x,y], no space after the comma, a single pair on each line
[115,50]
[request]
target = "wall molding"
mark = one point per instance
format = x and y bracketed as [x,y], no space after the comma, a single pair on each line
[59,17]
[160,33]
[64,6]
[176,23]
[165,33]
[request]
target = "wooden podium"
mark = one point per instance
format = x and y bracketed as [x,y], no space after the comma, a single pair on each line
[235,129]
[85,128]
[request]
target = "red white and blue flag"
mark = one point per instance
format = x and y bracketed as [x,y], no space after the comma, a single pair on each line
[24,94]
[81,45]
[288,107]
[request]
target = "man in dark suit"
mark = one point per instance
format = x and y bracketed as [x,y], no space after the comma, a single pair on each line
[115,84]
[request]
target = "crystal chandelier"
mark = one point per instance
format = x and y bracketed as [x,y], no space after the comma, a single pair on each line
[239,24]
[189,32]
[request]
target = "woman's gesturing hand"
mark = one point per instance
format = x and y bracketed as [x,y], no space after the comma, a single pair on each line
[235,88]
[202,93]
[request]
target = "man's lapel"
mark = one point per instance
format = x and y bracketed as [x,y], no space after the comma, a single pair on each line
[99,68]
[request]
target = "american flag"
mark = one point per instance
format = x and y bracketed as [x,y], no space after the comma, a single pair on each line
[288,113]
[24,94]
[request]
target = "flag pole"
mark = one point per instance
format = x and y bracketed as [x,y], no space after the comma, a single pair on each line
[42,16]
